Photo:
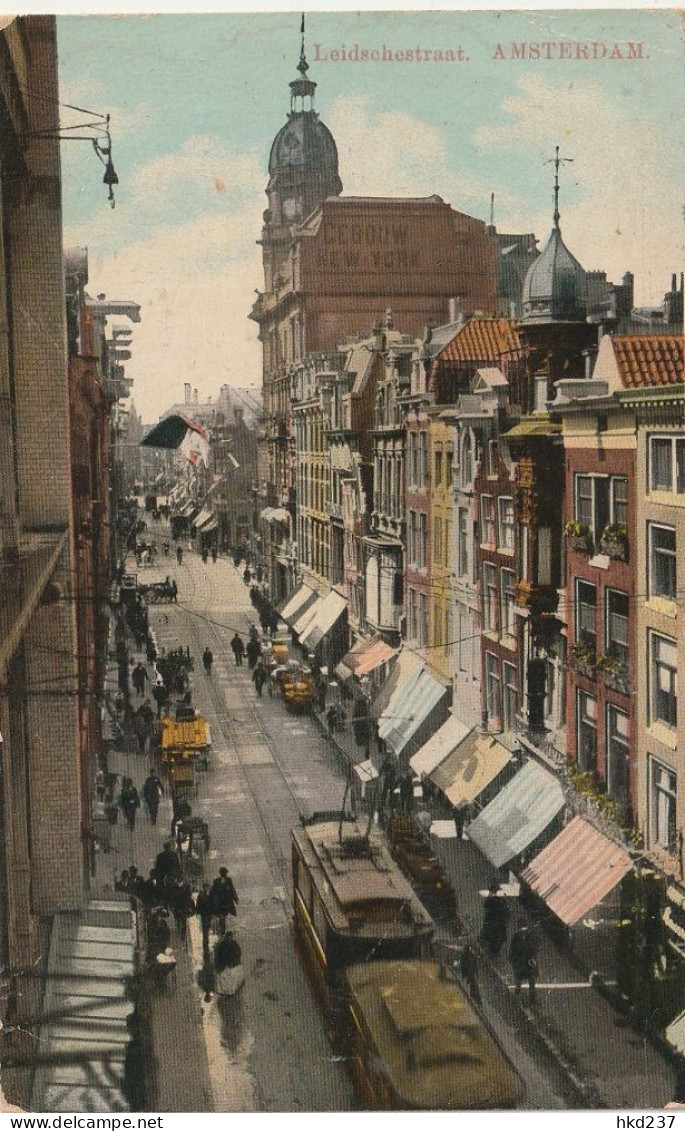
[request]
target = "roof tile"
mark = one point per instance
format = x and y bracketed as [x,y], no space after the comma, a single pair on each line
[649,359]
[482,340]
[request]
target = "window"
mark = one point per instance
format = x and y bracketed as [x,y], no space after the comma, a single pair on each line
[508,602]
[586,625]
[662,561]
[412,539]
[437,478]
[586,732]
[466,461]
[489,597]
[448,467]
[511,695]
[664,670]
[413,465]
[506,524]
[412,610]
[617,625]
[492,687]
[437,555]
[617,756]
[422,560]
[487,520]
[667,464]
[423,459]
[664,781]
[619,501]
[423,619]
[463,548]
[492,459]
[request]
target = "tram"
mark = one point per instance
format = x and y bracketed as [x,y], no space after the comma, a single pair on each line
[351,903]
[414,1042]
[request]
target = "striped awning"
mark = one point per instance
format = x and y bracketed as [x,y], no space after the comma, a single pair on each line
[203,517]
[470,768]
[326,613]
[410,708]
[518,815]
[302,599]
[577,870]
[439,745]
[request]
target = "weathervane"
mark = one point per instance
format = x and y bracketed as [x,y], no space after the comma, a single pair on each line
[557,161]
[303,65]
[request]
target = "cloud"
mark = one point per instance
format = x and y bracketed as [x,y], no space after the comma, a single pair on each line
[621,199]
[194,281]
[394,153]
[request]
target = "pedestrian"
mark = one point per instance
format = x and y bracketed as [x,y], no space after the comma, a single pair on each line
[224,898]
[140,727]
[179,554]
[152,792]
[180,812]
[238,649]
[407,793]
[495,927]
[259,676]
[150,651]
[215,554]
[129,802]
[168,866]
[254,651]
[182,906]
[247,576]
[460,820]
[203,910]
[138,678]
[208,660]
[259,575]
[468,968]
[205,555]
[228,965]
[174,590]
[158,933]
[161,697]
[523,955]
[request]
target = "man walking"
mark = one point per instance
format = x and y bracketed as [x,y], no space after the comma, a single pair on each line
[238,649]
[138,678]
[259,676]
[129,802]
[208,660]
[224,898]
[203,910]
[152,792]
[493,933]
[523,955]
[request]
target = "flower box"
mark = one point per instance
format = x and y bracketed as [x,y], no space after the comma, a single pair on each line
[581,543]
[616,548]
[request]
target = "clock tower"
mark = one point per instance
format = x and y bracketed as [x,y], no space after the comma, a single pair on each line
[303,171]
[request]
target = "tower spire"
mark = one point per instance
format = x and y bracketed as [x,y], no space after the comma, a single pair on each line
[303,65]
[557,161]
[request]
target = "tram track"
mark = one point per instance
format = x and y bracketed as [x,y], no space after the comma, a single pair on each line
[245,718]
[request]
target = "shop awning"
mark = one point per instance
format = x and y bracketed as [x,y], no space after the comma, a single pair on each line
[407,662]
[296,605]
[442,743]
[188,510]
[303,619]
[274,514]
[410,709]
[203,519]
[332,607]
[470,768]
[366,771]
[577,870]
[209,526]
[518,814]
[365,657]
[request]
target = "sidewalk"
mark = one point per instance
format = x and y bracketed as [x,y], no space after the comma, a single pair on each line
[174,1051]
[608,1062]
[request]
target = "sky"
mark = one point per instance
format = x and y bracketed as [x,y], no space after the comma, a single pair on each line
[196,100]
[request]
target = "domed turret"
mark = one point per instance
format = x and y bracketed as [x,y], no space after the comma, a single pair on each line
[555,287]
[303,163]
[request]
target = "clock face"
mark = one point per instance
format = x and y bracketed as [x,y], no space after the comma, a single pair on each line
[291,209]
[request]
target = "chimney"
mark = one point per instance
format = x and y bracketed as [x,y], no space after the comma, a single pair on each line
[455,309]
[186,393]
